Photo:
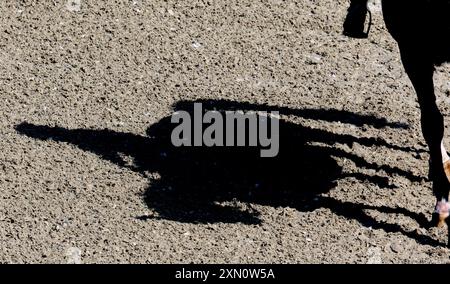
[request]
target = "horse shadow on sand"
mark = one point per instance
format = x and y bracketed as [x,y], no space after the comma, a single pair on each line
[202,184]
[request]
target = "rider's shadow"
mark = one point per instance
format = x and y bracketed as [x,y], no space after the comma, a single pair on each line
[213,184]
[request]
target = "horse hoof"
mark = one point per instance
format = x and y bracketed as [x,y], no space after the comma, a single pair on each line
[439,220]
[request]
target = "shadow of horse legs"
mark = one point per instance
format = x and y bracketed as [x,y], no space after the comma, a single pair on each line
[211,184]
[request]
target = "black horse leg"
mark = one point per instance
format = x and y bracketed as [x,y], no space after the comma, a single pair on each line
[420,71]
[356,18]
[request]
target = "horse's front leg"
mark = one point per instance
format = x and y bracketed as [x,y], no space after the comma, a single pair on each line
[421,71]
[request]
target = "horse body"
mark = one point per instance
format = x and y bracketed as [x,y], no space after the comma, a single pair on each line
[421,25]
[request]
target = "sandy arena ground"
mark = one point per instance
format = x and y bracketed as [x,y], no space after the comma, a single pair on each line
[88,174]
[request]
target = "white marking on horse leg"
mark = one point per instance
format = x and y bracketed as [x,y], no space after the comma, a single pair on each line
[445,156]
[442,210]
[442,206]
